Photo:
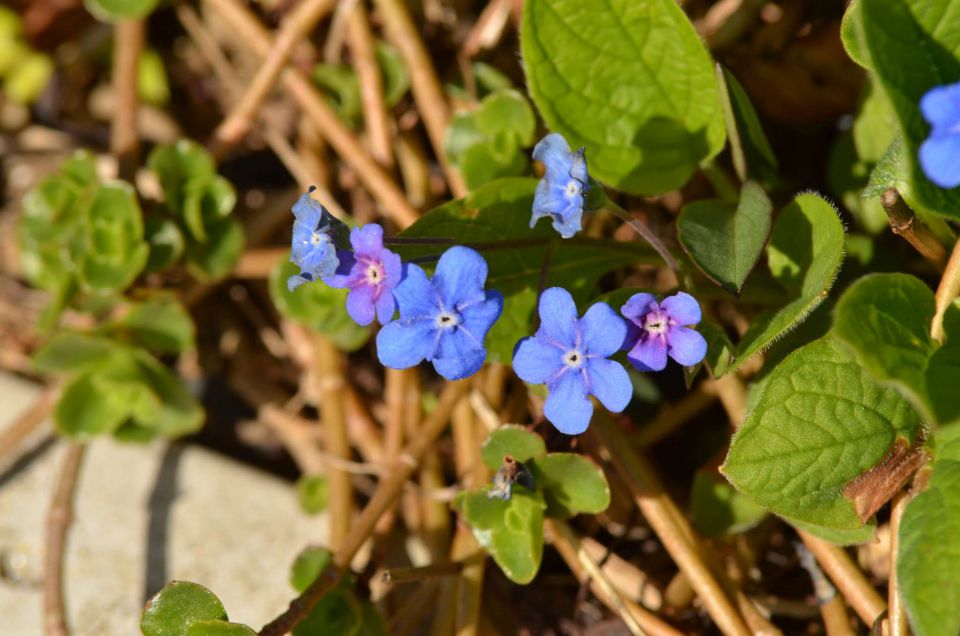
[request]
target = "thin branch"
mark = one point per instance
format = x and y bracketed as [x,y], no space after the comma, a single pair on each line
[669,525]
[422,573]
[376,116]
[897,614]
[296,26]
[124,134]
[253,35]
[848,578]
[427,92]
[59,520]
[646,235]
[383,499]
[672,416]
[947,291]
[28,421]
[905,223]
[637,618]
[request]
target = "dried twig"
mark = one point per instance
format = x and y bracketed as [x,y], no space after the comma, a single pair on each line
[383,499]
[58,523]
[947,291]
[897,614]
[124,134]
[376,117]
[905,223]
[28,421]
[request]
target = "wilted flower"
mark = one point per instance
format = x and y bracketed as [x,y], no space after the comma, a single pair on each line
[559,194]
[312,247]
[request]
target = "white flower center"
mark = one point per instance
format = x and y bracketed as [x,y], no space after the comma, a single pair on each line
[656,323]
[447,320]
[573,188]
[574,358]
[374,274]
[318,237]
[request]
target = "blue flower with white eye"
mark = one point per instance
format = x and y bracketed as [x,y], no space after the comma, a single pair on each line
[559,194]
[371,273]
[940,153]
[312,247]
[569,354]
[661,329]
[444,319]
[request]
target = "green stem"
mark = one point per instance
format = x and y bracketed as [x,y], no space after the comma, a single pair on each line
[645,234]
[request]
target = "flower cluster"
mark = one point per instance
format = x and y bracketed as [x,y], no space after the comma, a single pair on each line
[445,319]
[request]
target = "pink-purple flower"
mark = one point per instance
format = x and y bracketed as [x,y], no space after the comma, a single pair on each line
[657,330]
[371,273]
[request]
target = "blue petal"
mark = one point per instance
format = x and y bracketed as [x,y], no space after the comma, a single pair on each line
[686,346]
[683,308]
[415,295]
[578,168]
[341,278]
[567,406]
[568,226]
[940,160]
[461,366]
[603,330]
[404,344]
[460,275]
[941,106]
[308,211]
[554,151]
[610,384]
[649,354]
[536,362]
[360,305]
[558,318]
[638,306]
[385,306]
[479,318]
[455,343]
[367,240]
[296,280]
[550,199]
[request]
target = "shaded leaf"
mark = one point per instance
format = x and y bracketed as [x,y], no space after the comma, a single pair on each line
[570,484]
[511,439]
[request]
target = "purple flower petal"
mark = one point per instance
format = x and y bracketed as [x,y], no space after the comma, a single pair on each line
[638,306]
[536,362]
[603,330]
[940,159]
[460,275]
[567,406]
[367,240]
[686,346]
[610,384]
[649,354]
[404,344]
[360,304]
[392,269]
[558,317]
[683,308]
[385,306]
[941,106]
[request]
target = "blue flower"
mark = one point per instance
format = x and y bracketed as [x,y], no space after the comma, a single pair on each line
[560,192]
[659,329]
[371,273]
[569,355]
[940,153]
[312,247]
[444,320]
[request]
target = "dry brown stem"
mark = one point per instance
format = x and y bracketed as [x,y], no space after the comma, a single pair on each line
[59,519]
[124,135]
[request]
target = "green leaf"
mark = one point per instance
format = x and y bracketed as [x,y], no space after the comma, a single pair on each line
[166,243]
[159,324]
[511,531]
[219,628]
[175,165]
[152,84]
[507,111]
[112,252]
[929,556]
[70,351]
[338,612]
[725,239]
[804,255]
[718,509]
[719,350]
[820,422]
[857,536]
[215,258]
[500,211]
[511,439]
[911,48]
[396,80]
[341,84]
[570,484]
[116,10]
[28,78]
[93,405]
[308,566]
[177,606]
[312,493]
[631,82]
[885,319]
[761,161]
[317,306]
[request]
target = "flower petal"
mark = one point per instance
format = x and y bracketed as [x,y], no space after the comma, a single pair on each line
[558,317]
[344,275]
[385,306]
[360,304]
[578,167]
[415,295]
[638,306]
[460,275]
[610,384]
[683,308]
[686,346]
[554,151]
[461,366]
[404,344]
[940,159]
[392,269]
[455,343]
[649,354]
[308,211]
[479,318]
[941,106]
[367,240]
[567,406]
[603,330]
[535,361]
